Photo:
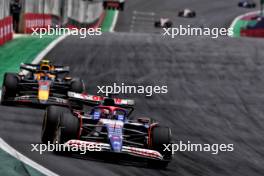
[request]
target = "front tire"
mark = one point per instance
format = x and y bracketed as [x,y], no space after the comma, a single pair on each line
[69,127]
[10,86]
[157,24]
[51,123]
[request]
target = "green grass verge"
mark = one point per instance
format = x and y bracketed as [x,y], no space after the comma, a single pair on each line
[10,166]
[25,49]
[22,49]
[108,20]
[242,24]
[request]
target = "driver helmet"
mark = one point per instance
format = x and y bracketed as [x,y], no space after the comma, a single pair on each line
[45,65]
[105,113]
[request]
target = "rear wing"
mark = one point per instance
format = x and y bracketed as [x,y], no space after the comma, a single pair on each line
[28,67]
[35,68]
[98,100]
[62,69]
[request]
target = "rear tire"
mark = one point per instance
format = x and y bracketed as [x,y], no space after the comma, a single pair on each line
[77,86]
[169,24]
[51,123]
[122,6]
[160,136]
[180,14]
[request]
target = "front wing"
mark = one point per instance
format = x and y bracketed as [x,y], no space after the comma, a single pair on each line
[134,151]
[33,100]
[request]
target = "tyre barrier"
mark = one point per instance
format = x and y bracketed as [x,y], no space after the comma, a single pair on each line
[6,30]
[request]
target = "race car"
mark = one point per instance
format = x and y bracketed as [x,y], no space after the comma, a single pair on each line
[108,124]
[163,23]
[187,13]
[39,84]
[247,4]
[114,4]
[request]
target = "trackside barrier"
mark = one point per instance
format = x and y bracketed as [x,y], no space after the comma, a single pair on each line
[36,21]
[252,32]
[6,30]
[2,32]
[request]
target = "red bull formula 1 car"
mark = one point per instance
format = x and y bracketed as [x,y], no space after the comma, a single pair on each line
[39,84]
[109,125]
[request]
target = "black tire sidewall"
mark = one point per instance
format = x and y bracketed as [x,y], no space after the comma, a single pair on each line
[10,84]
[51,123]
[69,127]
[77,86]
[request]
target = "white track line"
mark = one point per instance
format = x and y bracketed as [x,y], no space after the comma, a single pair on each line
[144,13]
[44,52]
[48,49]
[114,22]
[7,148]
[20,35]
[11,150]
[242,16]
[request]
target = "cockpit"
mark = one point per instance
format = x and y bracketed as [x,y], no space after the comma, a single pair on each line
[109,112]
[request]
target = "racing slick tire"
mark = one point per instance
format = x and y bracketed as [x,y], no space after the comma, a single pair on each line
[77,86]
[157,24]
[50,123]
[180,14]
[9,88]
[121,6]
[69,127]
[159,137]
[168,24]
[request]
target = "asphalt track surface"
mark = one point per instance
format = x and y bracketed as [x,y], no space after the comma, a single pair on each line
[215,95]
[210,13]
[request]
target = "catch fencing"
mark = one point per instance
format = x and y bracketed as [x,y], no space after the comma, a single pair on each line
[6,22]
[69,13]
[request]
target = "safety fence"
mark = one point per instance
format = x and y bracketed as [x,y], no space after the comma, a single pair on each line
[6,30]
[67,13]
[33,22]
[6,22]
[36,14]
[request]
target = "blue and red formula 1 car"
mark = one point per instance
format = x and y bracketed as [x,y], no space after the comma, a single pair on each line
[109,125]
